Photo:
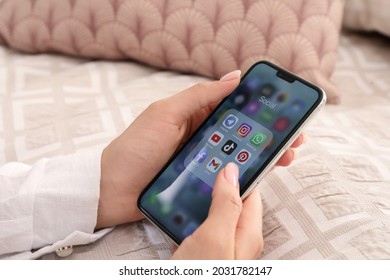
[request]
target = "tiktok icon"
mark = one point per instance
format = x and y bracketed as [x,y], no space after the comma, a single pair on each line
[229,147]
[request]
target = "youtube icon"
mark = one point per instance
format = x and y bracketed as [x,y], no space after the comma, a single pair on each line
[215,138]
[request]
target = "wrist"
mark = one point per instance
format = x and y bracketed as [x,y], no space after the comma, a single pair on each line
[118,200]
[116,209]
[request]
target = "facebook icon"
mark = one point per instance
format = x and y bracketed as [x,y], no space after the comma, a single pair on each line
[201,156]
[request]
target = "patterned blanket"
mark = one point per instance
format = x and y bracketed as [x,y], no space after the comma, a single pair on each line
[332,203]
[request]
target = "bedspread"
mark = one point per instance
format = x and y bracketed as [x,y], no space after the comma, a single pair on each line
[333,202]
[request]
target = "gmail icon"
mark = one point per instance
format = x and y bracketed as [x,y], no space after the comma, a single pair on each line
[214,164]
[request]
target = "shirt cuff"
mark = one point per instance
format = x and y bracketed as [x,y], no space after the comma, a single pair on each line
[66,198]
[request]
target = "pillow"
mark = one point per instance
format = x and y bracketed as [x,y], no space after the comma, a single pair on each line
[209,38]
[368,15]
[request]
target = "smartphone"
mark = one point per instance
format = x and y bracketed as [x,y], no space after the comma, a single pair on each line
[252,127]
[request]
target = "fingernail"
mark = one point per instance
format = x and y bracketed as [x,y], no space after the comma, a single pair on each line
[231,76]
[304,137]
[231,173]
[295,153]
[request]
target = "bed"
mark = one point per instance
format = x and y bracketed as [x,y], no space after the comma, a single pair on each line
[333,202]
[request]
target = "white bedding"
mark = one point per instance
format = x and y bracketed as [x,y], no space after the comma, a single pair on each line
[332,203]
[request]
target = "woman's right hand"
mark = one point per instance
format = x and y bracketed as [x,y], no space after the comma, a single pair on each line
[233,229]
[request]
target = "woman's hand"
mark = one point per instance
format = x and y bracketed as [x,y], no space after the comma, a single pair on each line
[233,229]
[131,161]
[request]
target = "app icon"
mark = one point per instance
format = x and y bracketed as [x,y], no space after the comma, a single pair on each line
[244,130]
[267,115]
[258,138]
[214,164]
[252,107]
[230,121]
[281,97]
[243,156]
[281,124]
[201,156]
[253,83]
[297,106]
[267,90]
[240,100]
[215,138]
[229,147]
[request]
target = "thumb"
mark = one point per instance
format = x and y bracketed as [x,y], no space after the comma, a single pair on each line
[226,203]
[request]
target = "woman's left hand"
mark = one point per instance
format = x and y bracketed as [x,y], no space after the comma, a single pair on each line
[131,160]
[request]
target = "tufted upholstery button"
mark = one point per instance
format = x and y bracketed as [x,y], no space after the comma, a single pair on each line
[64,252]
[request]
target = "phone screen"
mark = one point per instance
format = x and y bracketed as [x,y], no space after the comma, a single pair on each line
[248,128]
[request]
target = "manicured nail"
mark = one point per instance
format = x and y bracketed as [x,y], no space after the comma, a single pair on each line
[231,76]
[231,174]
[304,137]
[295,153]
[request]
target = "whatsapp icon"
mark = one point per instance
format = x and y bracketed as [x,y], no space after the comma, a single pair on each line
[258,138]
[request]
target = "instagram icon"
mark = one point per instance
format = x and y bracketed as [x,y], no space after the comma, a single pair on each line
[244,130]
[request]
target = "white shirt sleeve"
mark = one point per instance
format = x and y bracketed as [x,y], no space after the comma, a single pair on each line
[49,205]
